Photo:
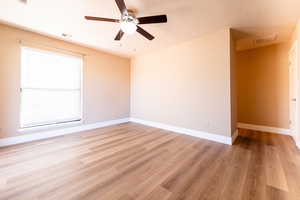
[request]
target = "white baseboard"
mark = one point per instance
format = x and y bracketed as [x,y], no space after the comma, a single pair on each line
[195,133]
[59,132]
[297,143]
[264,128]
[65,131]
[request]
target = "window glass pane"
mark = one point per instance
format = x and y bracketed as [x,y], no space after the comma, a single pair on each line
[46,70]
[51,88]
[49,106]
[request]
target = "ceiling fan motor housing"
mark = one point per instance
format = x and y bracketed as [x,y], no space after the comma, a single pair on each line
[129,17]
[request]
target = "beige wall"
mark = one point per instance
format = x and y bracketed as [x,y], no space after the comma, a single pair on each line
[186,85]
[296,40]
[106,80]
[233,86]
[263,86]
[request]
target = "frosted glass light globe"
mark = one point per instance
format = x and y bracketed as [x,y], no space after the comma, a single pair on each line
[128,27]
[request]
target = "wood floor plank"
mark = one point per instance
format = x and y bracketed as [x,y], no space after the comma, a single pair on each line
[276,194]
[181,184]
[136,162]
[274,171]
[255,183]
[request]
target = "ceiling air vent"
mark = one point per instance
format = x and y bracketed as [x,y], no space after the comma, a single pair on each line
[66,35]
[23,1]
[266,39]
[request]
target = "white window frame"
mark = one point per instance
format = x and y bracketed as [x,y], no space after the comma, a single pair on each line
[52,124]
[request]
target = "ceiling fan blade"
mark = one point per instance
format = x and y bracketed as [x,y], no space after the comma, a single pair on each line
[153,19]
[101,19]
[121,5]
[144,33]
[119,35]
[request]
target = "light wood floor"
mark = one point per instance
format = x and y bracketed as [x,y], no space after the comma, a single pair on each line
[132,161]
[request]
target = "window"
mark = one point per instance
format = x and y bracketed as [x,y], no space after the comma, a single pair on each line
[50,88]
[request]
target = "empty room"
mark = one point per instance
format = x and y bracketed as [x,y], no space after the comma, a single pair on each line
[149,100]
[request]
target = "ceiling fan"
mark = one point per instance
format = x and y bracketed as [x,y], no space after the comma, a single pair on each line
[129,23]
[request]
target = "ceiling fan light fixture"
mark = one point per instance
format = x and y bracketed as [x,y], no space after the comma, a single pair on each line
[128,27]
[129,24]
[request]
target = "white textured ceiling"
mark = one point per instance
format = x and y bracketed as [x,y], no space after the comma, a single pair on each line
[187,19]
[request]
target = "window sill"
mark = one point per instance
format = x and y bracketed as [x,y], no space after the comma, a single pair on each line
[49,127]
